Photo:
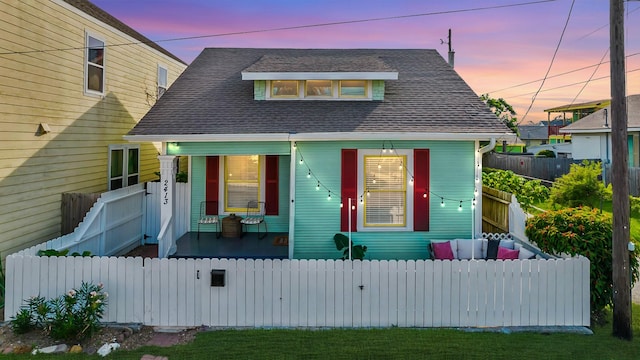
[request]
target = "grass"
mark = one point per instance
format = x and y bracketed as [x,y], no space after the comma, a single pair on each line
[393,343]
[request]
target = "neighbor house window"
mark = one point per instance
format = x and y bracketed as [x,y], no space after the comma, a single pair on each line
[385,189]
[242,178]
[353,88]
[94,66]
[322,88]
[162,80]
[284,88]
[124,166]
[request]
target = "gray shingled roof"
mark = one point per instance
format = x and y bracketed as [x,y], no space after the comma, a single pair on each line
[99,14]
[596,122]
[210,98]
[326,63]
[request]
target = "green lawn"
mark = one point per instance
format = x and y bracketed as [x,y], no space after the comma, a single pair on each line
[394,343]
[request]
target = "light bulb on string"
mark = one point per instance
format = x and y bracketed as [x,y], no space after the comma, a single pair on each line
[318,186]
[411,181]
[295,145]
[368,193]
[301,161]
[441,202]
[383,149]
[309,174]
[361,199]
[329,196]
[424,195]
[460,207]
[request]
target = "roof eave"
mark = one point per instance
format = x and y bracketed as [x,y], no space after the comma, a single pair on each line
[373,75]
[314,137]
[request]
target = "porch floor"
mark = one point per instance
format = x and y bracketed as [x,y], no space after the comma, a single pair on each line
[246,247]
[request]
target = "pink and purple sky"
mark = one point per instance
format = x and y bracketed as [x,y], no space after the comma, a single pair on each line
[504,51]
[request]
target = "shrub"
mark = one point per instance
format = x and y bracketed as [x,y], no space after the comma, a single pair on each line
[580,187]
[342,244]
[586,232]
[72,316]
[635,206]
[546,154]
[526,191]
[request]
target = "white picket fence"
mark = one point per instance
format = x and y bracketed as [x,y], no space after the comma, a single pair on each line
[316,293]
[119,221]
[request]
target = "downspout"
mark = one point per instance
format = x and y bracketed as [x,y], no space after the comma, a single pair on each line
[477,215]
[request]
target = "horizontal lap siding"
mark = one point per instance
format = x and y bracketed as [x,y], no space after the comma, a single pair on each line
[317,219]
[279,223]
[47,87]
[231,148]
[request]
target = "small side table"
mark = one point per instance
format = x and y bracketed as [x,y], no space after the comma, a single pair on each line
[231,226]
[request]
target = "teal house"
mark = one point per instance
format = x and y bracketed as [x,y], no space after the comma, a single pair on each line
[382,145]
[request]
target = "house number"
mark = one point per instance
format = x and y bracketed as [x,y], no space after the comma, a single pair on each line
[165,190]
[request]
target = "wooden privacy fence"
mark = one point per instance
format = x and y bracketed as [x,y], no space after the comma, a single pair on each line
[540,168]
[121,220]
[634,179]
[316,293]
[495,210]
[74,207]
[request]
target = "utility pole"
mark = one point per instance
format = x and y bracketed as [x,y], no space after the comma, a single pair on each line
[451,52]
[620,177]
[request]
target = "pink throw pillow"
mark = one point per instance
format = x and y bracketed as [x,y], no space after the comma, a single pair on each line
[507,254]
[442,250]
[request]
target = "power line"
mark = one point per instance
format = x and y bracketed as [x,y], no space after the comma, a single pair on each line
[590,77]
[573,84]
[297,27]
[533,99]
[556,75]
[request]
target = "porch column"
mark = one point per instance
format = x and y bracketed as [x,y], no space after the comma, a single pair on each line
[166,237]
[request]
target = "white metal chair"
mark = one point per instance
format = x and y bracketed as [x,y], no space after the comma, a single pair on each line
[255,216]
[209,216]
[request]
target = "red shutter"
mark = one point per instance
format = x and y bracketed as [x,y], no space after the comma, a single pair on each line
[349,188]
[271,185]
[212,183]
[420,188]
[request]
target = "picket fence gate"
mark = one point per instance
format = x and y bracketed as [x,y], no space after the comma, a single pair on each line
[316,293]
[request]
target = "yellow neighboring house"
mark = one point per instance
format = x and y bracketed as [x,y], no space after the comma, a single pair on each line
[73,81]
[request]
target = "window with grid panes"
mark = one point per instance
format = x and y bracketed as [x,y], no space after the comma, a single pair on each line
[385,191]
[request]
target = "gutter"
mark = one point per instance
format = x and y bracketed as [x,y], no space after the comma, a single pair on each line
[488,147]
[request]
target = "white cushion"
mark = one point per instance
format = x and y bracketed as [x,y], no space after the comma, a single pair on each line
[467,246]
[507,244]
[524,253]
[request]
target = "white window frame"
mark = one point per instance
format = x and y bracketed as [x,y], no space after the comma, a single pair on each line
[163,84]
[408,154]
[88,91]
[125,163]
[223,186]
[335,92]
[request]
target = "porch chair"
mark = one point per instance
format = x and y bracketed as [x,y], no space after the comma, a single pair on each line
[255,216]
[209,216]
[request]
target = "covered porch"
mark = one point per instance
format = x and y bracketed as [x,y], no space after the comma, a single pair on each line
[274,246]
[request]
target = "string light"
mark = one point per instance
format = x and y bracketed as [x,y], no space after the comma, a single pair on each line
[411,181]
[295,145]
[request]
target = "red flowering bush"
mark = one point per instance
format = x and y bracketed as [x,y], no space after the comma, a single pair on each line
[586,232]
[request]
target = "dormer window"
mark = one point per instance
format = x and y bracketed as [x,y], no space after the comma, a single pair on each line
[358,77]
[319,88]
[353,88]
[284,88]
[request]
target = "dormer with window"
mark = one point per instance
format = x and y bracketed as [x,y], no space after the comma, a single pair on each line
[353,78]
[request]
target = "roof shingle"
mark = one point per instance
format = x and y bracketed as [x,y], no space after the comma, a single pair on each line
[210,98]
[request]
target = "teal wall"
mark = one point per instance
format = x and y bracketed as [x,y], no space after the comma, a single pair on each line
[230,148]
[259,89]
[318,219]
[378,89]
